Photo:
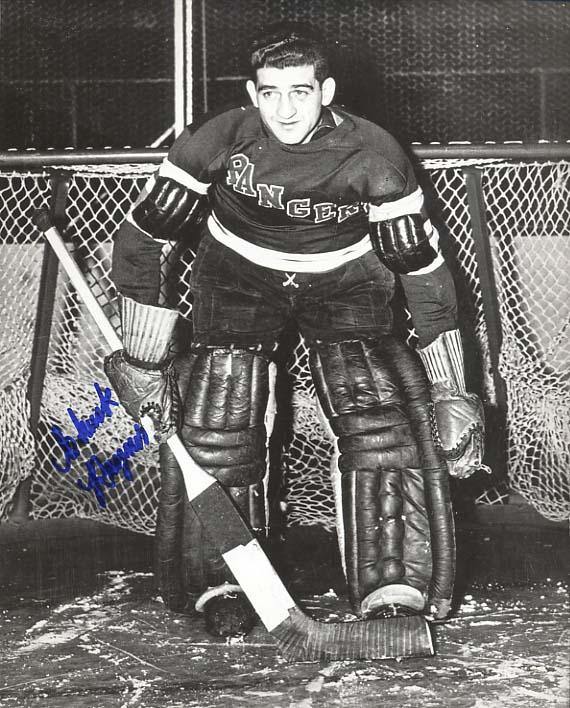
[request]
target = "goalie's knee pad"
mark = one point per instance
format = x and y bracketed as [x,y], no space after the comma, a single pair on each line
[397,525]
[225,392]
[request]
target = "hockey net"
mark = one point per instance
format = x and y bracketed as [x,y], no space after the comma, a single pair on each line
[528,209]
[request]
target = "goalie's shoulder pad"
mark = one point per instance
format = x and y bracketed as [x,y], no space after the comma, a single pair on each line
[169,205]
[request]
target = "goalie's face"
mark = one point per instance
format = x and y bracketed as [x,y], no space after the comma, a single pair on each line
[290,100]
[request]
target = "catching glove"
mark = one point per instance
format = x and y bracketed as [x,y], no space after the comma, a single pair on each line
[141,374]
[458,417]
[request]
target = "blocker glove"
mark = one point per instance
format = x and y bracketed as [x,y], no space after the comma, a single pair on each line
[458,418]
[141,374]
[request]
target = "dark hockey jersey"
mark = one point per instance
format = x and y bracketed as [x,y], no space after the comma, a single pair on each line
[309,203]
[307,198]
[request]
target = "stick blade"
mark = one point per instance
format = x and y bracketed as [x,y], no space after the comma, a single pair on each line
[301,638]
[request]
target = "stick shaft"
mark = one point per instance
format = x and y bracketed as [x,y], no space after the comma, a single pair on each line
[78,280]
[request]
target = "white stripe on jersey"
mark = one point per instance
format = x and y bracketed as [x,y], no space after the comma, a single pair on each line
[412,204]
[288,262]
[169,169]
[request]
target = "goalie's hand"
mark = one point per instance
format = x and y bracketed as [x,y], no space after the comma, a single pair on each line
[151,392]
[459,429]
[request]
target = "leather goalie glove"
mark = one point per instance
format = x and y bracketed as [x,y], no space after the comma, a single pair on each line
[141,374]
[458,417]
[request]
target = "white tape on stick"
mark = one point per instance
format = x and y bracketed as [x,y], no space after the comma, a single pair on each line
[196,479]
[260,582]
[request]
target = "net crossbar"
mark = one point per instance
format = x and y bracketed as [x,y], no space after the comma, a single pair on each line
[528,215]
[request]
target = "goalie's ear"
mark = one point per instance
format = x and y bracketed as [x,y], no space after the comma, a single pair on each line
[328,89]
[252,91]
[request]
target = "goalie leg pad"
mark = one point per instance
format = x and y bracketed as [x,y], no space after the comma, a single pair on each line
[225,404]
[225,393]
[414,384]
[380,416]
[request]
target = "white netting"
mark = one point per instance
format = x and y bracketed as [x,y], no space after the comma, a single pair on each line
[531,241]
[21,259]
[529,219]
[98,200]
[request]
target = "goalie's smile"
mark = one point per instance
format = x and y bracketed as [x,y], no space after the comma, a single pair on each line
[290,100]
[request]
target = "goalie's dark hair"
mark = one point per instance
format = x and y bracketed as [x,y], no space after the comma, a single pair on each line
[289,44]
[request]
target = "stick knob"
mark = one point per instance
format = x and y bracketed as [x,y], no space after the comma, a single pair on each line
[42,219]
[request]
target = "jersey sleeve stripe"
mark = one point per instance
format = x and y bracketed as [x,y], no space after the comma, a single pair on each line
[170,170]
[411,204]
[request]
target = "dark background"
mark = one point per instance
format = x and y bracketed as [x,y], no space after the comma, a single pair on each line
[96,73]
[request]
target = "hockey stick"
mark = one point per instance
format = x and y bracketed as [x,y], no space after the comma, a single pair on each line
[299,637]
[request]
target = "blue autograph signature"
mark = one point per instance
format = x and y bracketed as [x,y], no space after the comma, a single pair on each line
[101,474]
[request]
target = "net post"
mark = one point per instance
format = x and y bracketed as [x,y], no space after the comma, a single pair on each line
[183,70]
[496,419]
[41,339]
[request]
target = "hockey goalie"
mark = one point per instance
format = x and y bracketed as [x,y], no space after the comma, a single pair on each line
[306,213]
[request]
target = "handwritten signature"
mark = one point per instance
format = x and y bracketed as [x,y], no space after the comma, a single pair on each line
[101,474]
